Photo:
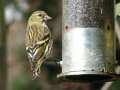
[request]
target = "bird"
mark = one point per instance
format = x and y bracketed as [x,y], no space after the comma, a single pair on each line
[38,41]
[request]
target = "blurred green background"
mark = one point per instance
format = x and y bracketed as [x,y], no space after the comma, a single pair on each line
[15,71]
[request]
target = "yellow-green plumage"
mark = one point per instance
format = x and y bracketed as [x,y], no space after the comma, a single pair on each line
[38,40]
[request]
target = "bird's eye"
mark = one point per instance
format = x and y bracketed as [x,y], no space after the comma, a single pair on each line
[40,15]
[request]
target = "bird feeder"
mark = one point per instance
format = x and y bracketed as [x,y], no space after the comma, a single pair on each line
[88,40]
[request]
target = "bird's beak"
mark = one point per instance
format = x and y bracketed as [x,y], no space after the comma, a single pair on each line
[47,18]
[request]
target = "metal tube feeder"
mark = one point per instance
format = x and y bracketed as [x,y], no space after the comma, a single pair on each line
[88,40]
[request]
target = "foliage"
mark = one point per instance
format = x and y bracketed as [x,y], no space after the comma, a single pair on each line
[24,82]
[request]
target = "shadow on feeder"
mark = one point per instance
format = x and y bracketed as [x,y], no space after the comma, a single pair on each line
[50,69]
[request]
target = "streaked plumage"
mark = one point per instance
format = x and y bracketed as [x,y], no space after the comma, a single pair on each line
[38,40]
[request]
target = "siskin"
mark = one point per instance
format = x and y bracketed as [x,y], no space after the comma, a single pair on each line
[38,41]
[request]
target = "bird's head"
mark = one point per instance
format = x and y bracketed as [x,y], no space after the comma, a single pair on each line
[40,15]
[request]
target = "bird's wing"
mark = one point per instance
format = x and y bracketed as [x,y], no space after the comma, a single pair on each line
[37,42]
[49,48]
